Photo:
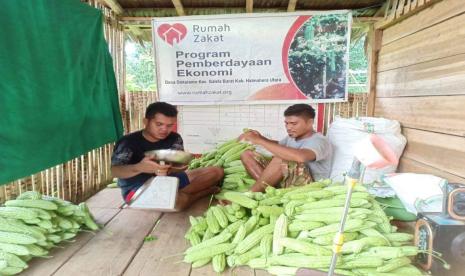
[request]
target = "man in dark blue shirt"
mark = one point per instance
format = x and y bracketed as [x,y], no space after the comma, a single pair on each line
[133,168]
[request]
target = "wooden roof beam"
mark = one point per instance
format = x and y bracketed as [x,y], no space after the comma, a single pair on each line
[126,19]
[249,6]
[368,18]
[136,32]
[166,12]
[179,8]
[291,6]
[114,5]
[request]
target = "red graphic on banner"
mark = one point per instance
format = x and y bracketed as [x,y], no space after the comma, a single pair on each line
[172,34]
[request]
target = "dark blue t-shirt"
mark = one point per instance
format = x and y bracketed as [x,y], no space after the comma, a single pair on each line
[130,150]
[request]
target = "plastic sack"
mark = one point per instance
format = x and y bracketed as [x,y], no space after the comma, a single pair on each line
[344,134]
[418,192]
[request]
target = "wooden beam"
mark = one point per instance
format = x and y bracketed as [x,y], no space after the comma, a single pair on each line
[249,6]
[135,18]
[374,45]
[166,12]
[179,8]
[440,12]
[392,20]
[140,25]
[136,33]
[141,22]
[117,9]
[291,6]
[135,30]
[445,76]
[392,10]
[400,8]
[368,18]
[441,151]
[386,10]
[127,19]
[413,166]
[442,114]
[114,5]
[435,42]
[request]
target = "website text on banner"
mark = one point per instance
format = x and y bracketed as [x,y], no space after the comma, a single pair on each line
[253,59]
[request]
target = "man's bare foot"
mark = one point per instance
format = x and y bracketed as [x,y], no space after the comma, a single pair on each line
[224,202]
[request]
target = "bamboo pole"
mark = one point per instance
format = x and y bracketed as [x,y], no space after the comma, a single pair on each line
[76,182]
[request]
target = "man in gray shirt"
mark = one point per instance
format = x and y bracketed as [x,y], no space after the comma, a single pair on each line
[304,155]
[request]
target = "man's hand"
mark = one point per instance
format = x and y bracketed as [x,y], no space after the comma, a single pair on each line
[252,136]
[178,169]
[147,165]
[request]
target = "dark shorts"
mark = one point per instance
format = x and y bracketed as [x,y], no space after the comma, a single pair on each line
[183,182]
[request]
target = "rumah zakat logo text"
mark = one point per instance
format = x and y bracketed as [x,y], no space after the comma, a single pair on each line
[172,34]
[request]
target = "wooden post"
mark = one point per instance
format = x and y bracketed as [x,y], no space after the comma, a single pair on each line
[392,13]
[374,45]
[249,6]
[291,5]
[400,8]
[179,7]
[114,5]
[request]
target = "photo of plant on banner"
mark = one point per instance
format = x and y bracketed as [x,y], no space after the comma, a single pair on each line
[316,56]
[315,52]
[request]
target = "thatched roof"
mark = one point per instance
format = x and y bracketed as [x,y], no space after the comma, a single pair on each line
[136,14]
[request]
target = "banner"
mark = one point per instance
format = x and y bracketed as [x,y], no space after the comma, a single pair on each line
[253,59]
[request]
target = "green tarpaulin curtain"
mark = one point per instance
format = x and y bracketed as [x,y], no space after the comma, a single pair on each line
[58,94]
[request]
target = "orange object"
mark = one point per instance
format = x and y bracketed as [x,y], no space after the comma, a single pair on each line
[283,91]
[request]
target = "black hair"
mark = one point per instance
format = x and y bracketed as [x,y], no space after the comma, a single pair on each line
[160,107]
[301,110]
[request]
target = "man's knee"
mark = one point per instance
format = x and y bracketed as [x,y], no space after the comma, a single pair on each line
[218,172]
[182,201]
[275,165]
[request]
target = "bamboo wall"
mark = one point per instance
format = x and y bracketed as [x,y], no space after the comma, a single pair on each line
[134,111]
[421,83]
[83,176]
[357,106]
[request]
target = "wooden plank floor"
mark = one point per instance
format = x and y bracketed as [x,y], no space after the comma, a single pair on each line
[119,248]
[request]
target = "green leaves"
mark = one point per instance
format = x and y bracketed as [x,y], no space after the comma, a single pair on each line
[150,238]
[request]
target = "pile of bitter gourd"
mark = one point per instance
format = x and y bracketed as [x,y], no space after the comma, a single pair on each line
[282,230]
[227,156]
[32,224]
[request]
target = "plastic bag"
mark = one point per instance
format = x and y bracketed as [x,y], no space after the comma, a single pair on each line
[418,192]
[344,134]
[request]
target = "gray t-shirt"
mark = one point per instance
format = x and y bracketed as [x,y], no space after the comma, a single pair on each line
[320,145]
